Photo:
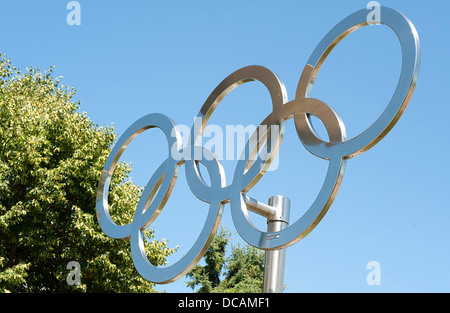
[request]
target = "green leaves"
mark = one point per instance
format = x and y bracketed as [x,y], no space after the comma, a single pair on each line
[241,272]
[51,156]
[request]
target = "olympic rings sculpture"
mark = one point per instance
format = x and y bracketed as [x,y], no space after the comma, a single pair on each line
[248,172]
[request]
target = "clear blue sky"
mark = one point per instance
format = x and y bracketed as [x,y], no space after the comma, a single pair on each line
[131,58]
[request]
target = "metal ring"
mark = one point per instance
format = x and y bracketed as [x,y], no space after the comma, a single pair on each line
[278,96]
[249,171]
[338,149]
[153,199]
[298,230]
[164,275]
[409,42]
[169,167]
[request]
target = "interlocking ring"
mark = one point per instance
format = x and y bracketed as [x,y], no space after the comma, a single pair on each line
[249,171]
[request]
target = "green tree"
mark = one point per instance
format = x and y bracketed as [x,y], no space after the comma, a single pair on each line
[51,156]
[242,271]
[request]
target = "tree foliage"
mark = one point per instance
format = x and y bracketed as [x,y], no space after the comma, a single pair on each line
[51,156]
[242,270]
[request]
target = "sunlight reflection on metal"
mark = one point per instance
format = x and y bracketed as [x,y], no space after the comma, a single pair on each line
[251,166]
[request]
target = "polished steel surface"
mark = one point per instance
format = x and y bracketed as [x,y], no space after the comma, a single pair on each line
[260,208]
[338,149]
[275,260]
[153,199]
[251,168]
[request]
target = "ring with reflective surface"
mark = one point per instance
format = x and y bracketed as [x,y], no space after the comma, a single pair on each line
[251,168]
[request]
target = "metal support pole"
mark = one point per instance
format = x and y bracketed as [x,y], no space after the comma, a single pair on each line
[275,260]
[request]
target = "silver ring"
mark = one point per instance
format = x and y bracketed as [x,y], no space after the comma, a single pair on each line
[153,199]
[249,171]
[338,149]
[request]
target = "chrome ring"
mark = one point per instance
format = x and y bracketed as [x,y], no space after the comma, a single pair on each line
[249,171]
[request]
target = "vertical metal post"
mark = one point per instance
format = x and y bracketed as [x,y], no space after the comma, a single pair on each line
[275,260]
